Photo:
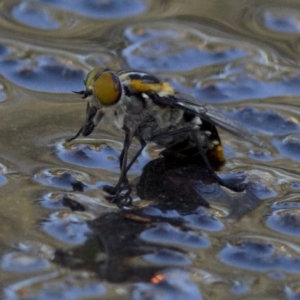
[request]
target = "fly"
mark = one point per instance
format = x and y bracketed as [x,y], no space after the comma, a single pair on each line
[149,109]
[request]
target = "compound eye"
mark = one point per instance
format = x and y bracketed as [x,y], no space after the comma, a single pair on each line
[107,88]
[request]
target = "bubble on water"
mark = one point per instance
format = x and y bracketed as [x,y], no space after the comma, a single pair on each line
[282,21]
[43,73]
[167,257]
[67,228]
[23,262]
[157,212]
[100,154]
[59,286]
[168,285]
[164,233]
[243,82]
[259,257]
[103,9]
[286,221]
[274,22]
[295,185]
[60,200]
[267,121]
[199,218]
[157,49]
[289,146]
[63,178]
[260,155]
[28,14]
[277,19]
[203,220]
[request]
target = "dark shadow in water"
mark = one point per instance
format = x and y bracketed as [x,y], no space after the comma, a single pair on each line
[180,185]
[133,245]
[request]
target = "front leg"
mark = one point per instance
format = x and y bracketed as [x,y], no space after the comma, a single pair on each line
[122,197]
[115,191]
[120,194]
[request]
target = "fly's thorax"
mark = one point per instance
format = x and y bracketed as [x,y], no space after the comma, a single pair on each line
[149,119]
[137,113]
[140,82]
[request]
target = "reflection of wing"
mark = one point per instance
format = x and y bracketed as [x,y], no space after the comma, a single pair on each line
[211,114]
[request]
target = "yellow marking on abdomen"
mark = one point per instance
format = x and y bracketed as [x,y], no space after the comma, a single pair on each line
[216,157]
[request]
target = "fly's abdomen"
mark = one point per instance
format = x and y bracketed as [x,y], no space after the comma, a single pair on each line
[214,151]
[207,136]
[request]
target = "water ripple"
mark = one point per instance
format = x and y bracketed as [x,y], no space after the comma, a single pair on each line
[277,20]
[258,256]
[167,257]
[165,233]
[23,263]
[28,14]
[56,200]
[67,228]
[244,81]
[100,154]
[289,146]
[168,285]
[63,178]
[42,73]
[104,9]
[155,47]
[286,221]
[267,121]
[57,286]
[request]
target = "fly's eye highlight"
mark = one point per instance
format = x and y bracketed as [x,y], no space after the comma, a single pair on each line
[90,76]
[107,88]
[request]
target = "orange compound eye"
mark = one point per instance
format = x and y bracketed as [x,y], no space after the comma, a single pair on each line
[107,88]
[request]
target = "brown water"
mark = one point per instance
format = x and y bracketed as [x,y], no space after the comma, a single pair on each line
[242,56]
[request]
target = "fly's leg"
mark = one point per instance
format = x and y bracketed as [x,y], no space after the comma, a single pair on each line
[76,135]
[93,118]
[120,194]
[116,191]
[143,145]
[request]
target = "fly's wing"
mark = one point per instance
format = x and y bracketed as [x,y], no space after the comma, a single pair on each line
[211,114]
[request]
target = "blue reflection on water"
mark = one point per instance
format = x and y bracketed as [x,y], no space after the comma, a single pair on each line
[29,15]
[101,9]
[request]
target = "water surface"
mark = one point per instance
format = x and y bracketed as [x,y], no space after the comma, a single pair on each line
[242,56]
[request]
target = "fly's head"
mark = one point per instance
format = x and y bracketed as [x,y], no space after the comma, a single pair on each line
[103,88]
